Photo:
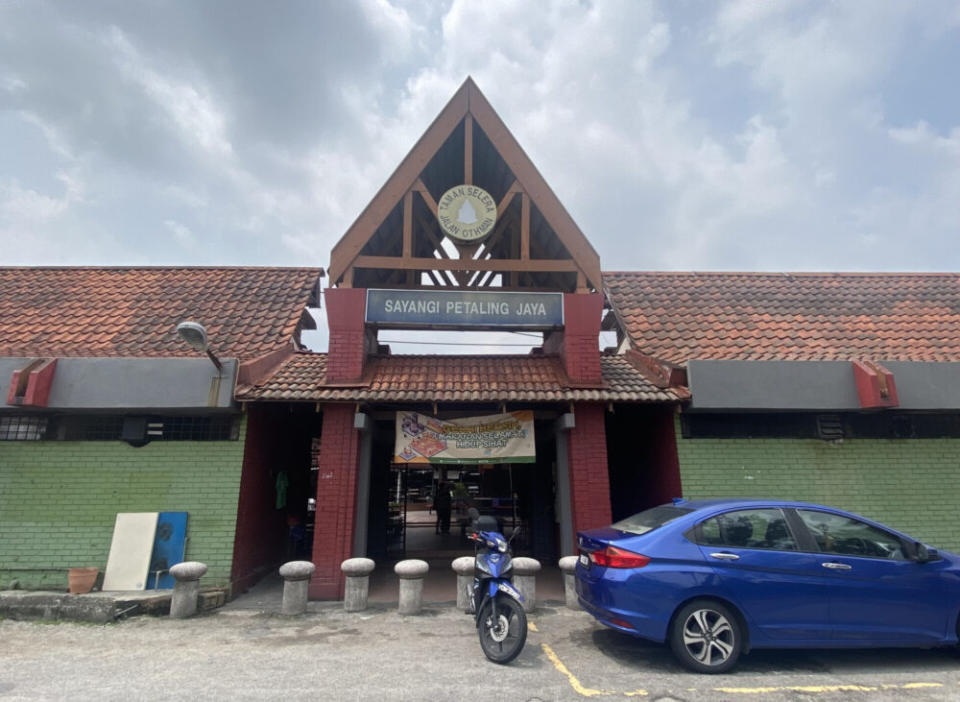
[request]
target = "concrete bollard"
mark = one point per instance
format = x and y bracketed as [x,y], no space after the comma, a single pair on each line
[568,564]
[411,574]
[186,589]
[525,580]
[463,567]
[296,582]
[357,589]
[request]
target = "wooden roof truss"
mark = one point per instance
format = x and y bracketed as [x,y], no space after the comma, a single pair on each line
[397,240]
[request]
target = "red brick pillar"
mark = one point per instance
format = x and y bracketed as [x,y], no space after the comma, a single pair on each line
[347,348]
[589,474]
[581,337]
[336,500]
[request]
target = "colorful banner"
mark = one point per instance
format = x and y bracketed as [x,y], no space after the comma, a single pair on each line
[498,438]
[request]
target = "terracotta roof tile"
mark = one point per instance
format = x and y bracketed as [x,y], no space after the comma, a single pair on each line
[455,379]
[134,311]
[789,316]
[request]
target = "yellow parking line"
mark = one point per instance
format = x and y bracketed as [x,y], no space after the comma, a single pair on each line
[794,688]
[919,685]
[585,691]
[574,683]
[824,688]
[532,627]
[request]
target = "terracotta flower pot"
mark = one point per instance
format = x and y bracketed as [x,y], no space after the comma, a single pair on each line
[81,580]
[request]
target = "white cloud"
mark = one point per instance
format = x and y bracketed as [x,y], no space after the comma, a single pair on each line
[181,233]
[187,104]
[26,206]
[12,83]
[743,135]
[921,135]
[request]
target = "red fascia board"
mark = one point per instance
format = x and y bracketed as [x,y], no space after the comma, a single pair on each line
[255,371]
[40,383]
[876,386]
[18,385]
[30,386]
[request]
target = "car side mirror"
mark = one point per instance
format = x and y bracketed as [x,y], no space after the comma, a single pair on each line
[926,555]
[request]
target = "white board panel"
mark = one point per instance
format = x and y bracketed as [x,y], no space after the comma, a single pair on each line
[133,534]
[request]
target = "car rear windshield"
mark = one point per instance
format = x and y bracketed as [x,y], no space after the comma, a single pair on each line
[650,519]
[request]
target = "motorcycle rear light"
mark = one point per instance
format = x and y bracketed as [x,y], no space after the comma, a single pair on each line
[613,557]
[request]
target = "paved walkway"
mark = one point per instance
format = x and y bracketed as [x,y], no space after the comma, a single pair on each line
[382,656]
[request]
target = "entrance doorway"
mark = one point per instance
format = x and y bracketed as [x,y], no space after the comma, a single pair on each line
[413,524]
[414,527]
[402,521]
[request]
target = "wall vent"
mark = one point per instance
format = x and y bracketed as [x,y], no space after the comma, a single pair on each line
[829,427]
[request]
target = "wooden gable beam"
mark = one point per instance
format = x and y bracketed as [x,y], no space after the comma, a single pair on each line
[534,185]
[427,196]
[351,243]
[428,230]
[539,265]
[468,150]
[508,198]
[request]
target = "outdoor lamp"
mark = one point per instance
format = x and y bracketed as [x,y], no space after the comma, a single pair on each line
[195,334]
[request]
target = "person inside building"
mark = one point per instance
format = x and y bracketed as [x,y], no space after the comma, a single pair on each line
[442,504]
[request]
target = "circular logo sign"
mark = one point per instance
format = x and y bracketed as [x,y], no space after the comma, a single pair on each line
[467,213]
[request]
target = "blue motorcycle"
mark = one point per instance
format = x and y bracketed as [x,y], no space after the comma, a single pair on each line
[501,619]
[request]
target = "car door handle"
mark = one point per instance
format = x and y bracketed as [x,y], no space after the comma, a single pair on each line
[836,566]
[725,556]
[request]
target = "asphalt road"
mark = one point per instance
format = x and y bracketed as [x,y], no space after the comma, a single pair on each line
[379,655]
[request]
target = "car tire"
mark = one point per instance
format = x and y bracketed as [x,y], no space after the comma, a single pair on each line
[706,637]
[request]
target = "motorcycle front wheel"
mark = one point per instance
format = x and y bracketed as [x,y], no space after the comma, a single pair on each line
[502,639]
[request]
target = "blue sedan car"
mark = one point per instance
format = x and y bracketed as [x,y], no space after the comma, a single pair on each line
[716,578]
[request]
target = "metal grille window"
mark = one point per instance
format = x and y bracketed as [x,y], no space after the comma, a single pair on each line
[192,428]
[829,427]
[22,428]
[151,428]
[93,428]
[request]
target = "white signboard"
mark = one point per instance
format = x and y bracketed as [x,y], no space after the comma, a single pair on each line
[130,551]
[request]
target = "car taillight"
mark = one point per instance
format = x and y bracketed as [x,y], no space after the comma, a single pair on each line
[613,557]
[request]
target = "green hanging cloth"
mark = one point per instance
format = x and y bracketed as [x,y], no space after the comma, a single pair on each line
[282,482]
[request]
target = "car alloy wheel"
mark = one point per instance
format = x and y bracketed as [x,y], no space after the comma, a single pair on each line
[706,637]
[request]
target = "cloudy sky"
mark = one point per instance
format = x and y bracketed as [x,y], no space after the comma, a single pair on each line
[680,135]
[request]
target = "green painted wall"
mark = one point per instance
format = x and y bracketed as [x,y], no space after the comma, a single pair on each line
[911,484]
[58,501]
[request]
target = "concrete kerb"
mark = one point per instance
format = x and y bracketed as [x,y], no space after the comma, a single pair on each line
[51,606]
[93,608]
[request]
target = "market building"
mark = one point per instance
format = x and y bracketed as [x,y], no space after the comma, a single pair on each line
[837,388]
[104,410]
[466,234]
[831,387]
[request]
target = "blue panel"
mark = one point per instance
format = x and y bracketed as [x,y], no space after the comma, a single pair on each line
[168,547]
[459,308]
